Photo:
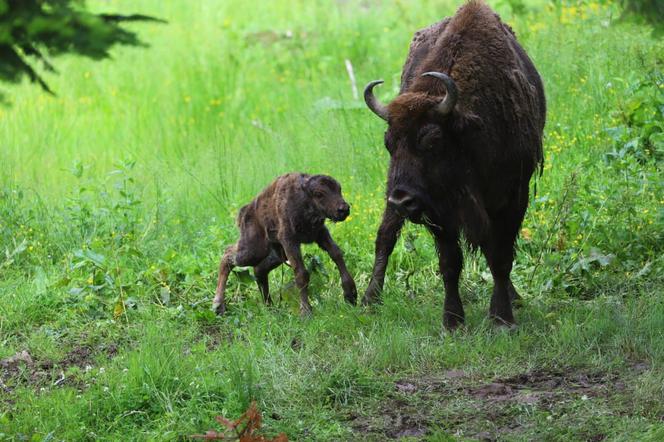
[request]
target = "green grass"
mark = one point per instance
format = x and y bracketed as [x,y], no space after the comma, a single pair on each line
[118,196]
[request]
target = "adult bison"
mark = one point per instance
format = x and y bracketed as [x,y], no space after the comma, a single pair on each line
[464,137]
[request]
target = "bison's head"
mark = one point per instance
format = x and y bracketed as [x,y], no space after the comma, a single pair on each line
[325,194]
[421,141]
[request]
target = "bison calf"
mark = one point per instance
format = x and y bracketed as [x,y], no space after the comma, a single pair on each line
[290,211]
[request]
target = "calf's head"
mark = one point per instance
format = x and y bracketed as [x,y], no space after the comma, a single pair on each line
[325,195]
[420,139]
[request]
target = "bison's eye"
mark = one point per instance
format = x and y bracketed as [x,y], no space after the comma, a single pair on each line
[424,146]
[425,143]
[428,139]
[318,194]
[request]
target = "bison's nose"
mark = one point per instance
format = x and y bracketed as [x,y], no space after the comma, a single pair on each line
[343,211]
[403,202]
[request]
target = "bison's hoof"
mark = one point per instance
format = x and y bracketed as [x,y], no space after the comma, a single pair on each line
[452,321]
[219,308]
[502,325]
[506,322]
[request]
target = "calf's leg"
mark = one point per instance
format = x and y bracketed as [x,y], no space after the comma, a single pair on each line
[294,255]
[249,251]
[388,232]
[326,243]
[225,267]
[262,270]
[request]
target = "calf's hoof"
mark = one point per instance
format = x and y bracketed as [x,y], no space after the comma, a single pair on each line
[372,295]
[219,308]
[350,293]
[306,310]
[350,297]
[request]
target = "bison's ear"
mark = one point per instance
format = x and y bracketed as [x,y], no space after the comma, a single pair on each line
[465,120]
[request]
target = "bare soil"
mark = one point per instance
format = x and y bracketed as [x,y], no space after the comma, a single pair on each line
[464,405]
[22,369]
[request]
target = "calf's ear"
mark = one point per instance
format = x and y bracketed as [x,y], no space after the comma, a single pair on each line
[306,183]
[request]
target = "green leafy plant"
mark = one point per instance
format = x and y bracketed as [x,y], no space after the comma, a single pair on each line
[640,131]
[33,31]
[651,11]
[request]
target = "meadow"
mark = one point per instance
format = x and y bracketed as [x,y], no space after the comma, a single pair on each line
[118,195]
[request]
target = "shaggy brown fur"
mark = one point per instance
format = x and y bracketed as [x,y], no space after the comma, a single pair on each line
[290,211]
[469,170]
[491,72]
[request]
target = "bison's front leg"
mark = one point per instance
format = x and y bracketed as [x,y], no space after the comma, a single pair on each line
[450,261]
[326,243]
[294,255]
[388,232]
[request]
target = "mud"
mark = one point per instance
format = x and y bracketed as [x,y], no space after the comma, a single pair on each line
[24,369]
[214,336]
[467,406]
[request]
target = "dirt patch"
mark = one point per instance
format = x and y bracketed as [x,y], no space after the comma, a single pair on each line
[399,419]
[467,406]
[545,388]
[406,412]
[84,356]
[23,369]
[215,335]
[13,362]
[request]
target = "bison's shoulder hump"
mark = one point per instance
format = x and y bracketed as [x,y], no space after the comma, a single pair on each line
[420,45]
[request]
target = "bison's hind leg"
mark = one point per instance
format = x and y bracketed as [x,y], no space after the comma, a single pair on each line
[262,270]
[499,252]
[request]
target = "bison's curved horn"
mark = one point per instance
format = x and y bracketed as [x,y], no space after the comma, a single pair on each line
[447,104]
[373,103]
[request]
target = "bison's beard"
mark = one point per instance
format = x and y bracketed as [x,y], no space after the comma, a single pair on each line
[418,217]
[434,215]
